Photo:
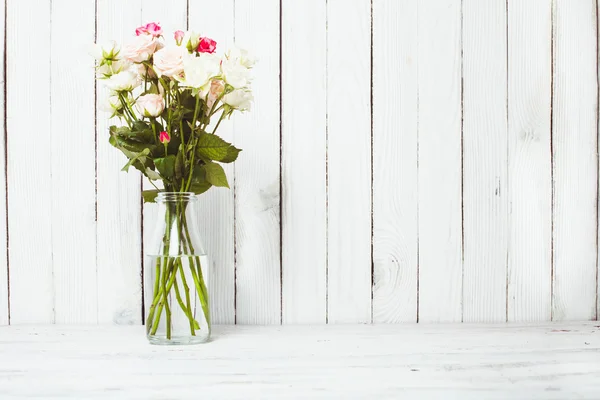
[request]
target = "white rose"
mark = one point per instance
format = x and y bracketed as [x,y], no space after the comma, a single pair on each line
[199,70]
[111,104]
[239,99]
[105,51]
[190,40]
[140,48]
[124,80]
[235,73]
[242,56]
[106,70]
[150,105]
[169,61]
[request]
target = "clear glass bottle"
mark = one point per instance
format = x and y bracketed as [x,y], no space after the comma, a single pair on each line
[176,298]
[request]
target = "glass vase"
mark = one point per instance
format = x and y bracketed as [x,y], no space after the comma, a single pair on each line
[176,298]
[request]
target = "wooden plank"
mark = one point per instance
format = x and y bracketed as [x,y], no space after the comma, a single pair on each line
[257,211]
[440,219]
[395,161]
[416,361]
[171,16]
[485,194]
[30,184]
[215,19]
[529,165]
[118,193]
[4,309]
[303,162]
[349,160]
[575,160]
[73,164]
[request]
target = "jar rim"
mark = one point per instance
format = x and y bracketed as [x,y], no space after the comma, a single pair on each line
[176,196]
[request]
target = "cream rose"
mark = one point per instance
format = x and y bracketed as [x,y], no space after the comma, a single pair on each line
[150,105]
[235,73]
[239,99]
[106,71]
[140,48]
[242,56]
[169,61]
[199,70]
[124,80]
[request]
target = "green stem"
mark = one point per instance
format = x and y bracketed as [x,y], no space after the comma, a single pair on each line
[198,278]
[219,122]
[185,309]
[156,297]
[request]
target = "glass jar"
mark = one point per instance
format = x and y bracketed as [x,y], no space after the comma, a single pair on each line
[176,298]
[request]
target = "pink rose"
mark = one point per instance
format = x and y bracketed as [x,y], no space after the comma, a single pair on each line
[179,37]
[169,61]
[164,137]
[216,90]
[150,105]
[207,45]
[140,48]
[152,29]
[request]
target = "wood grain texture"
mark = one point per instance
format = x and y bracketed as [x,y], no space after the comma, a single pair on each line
[4,311]
[349,160]
[303,162]
[73,165]
[472,362]
[395,161]
[30,183]
[118,193]
[171,16]
[258,283]
[439,171]
[485,191]
[529,164]
[216,207]
[575,160]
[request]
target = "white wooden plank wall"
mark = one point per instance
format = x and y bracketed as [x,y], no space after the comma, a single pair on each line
[404,161]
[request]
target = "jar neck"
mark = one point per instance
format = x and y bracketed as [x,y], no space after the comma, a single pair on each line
[176,197]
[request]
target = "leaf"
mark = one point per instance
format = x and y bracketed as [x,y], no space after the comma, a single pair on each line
[199,182]
[141,157]
[179,164]
[199,188]
[166,166]
[212,147]
[232,155]
[215,175]
[152,175]
[150,195]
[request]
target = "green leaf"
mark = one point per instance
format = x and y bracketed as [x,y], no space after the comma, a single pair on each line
[232,155]
[152,175]
[166,166]
[179,164]
[199,188]
[212,147]
[215,175]
[141,157]
[150,195]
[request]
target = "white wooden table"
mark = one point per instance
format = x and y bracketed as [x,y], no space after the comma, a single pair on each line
[549,361]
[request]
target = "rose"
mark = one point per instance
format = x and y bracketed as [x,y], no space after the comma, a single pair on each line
[107,51]
[151,28]
[242,56]
[150,105]
[169,61]
[146,72]
[217,88]
[207,45]
[197,71]
[239,99]
[125,80]
[164,137]
[190,40]
[111,104]
[140,48]
[179,37]
[235,73]
[108,69]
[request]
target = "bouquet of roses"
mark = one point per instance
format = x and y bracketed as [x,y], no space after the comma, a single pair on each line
[166,96]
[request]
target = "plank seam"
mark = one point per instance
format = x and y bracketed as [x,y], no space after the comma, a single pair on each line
[51,178]
[6,161]
[327,161]
[552,158]
[462,165]
[372,233]
[280,163]
[597,152]
[509,204]
[418,205]
[96,161]
[234,209]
